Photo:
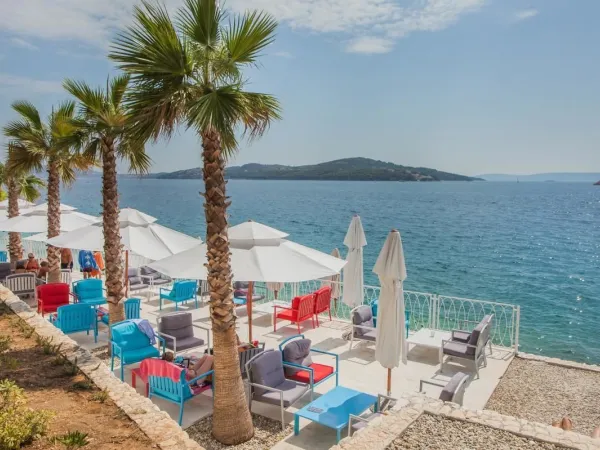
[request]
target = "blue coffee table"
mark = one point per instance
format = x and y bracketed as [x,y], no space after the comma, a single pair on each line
[336,407]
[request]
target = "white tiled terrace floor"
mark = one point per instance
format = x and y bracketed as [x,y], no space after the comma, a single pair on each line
[358,369]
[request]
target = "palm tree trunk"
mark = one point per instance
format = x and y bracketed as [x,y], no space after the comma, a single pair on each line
[53,221]
[232,422]
[15,247]
[112,235]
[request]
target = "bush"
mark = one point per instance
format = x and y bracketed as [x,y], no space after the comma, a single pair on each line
[19,424]
[100,396]
[5,342]
[72,440]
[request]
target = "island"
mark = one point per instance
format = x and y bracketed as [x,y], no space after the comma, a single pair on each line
[348,169]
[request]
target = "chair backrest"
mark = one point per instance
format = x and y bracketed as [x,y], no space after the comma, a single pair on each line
[132,308]
[4,270]
[149,272]
[185,289]
[133,272]
[21,283]
[296,350]
[179,325]
[53,294]
[306,306]
[165,379]
[128,336]
[247,355]
[3,256]
[322,299]
[65,276]
[90,288]
[266,368]
[76,317]
[362,315]
[479,337]
[454,391]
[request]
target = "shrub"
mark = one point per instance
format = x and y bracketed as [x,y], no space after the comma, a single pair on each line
[83,385]
[47,346]
[100,396]
[72,440]
[5,342]
[9,362]
[19,424]
[71,369]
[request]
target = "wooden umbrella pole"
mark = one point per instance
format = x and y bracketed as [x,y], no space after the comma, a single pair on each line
[389,383]
[249,309]
[126,273]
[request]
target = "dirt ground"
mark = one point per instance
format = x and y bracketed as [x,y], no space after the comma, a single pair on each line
[77,404]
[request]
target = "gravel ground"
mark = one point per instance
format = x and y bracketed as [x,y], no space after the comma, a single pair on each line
[438,433]
[541,392]
[267,433]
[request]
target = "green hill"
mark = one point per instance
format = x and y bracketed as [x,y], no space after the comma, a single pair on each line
[355,169]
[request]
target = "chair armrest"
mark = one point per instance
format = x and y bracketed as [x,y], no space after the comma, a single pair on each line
[262,386]
[161,340]
[323,352]
[115,346]
[364,327]
[446,341]
[431,382]
[311,371]
[281,307]
[204,375]
[203,328]
[160,290]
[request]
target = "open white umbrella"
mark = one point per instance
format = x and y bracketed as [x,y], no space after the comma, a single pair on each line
[391,269]
[353,272]
[21,203]
[35,220]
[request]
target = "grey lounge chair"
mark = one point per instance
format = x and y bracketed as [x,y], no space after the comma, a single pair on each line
[472,351]
[363,328]
[464,336]
[154,278]
[384,403]
[267,382]
[23,284]
[453,391]
[178,331]
[136,283]
[5,270]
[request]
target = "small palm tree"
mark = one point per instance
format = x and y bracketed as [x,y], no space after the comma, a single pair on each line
[103,135]
[25,186]
[35,144]
[191,71]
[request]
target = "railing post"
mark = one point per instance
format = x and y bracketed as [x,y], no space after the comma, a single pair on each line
[517,329]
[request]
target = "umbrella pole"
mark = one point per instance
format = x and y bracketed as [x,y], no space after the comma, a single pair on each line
[389,383]
[249,309]
[126,272]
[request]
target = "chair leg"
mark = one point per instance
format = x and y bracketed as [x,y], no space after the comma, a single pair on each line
[274,323]
[160,304]
[298,324]
[330,319]
[351,339]
[490,344]
[112,362]
[317,316]
[476,368]
[122,371]
[282,417]
[313,321]
[181,405]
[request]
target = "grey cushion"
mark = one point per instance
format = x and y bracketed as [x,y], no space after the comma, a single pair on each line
[148,272]
[292,391]
[241,285]
[363,315]
[177,325]
[133,272]
[370,336]
[184,343]
[475,335]
[160,281]
[267,370]
[461,336]
[457,349]
[360,425]
[450,390]
[136,284]
[297,352]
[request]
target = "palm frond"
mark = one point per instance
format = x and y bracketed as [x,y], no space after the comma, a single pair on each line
[91,100]
[21,160]
[249,34]
[199,21]
[117,88]
[134,153]
[260,110]
[29,112]
[29,187]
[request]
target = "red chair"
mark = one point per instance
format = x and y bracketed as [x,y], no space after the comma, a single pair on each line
[51,296]
[302,309]
[323,302]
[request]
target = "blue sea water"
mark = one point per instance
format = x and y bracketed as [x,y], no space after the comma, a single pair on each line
[532,244]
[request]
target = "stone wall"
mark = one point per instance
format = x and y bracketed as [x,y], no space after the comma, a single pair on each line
[156,424]
[382,431]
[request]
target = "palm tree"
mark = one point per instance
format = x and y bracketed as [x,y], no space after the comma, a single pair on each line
[25,186]
[103,135]
[190,70]
[35,144]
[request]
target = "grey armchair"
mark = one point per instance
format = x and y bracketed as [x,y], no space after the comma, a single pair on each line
[472,351]
[362,325]
[453,391]
[267,382]
[464,336]
[136,282]
[177,329]
[384,403]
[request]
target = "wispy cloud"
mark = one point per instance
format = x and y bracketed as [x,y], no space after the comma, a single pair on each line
[23,43]
[17,84]
[370,45]
[525,14]
[95,21]
[283,54]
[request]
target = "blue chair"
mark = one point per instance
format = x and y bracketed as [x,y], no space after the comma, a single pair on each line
[375,306]
[75,318]
[165,387]
[3,256]
[182,291]
[89,291]
[132,310]
[131,345]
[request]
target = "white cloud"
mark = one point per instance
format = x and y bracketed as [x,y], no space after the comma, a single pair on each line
[369,45]
[283,54]
[23,43]
[16,84]
[525,14]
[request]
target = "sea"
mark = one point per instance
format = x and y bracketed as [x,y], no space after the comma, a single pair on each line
[532,244]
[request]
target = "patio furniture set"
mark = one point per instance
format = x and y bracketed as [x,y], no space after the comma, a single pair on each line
[306,307]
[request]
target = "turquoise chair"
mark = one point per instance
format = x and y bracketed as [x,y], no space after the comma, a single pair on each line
[167,388]
[3,256]
[131,345]
[375,306]
[75,318]
[89,291]
[132,310]
[182,292]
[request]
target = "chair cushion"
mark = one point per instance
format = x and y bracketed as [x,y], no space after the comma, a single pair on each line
[461,336]
[363,315]
[297,352]
[133,272]
[148,272]
[450,389]
[139,354]
[129,337]
[320,372]
[160,281]
[292,391]
[267,370]
[476,332]
[287,314]
[360,425]
[296,302]
[184,343]
[370,335]
[177,325]
[456,349]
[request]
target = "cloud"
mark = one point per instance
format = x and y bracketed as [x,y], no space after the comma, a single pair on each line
[369,45]
[525,14]
[283,54]
[17,84]
[23,43]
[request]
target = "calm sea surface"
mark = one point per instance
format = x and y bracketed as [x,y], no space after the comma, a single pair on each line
[533,244]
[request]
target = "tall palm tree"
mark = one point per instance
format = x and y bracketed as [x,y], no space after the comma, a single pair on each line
[104,135]
[35,144]
[19,185]
[191,70]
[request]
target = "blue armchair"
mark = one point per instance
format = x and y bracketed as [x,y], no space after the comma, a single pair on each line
[89,291]
[75,318]
[131,345]
[182,291]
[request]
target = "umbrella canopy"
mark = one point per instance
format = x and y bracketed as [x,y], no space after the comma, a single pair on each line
[353,272]
[139,234]
[35,220]
[391,270]
[22,204]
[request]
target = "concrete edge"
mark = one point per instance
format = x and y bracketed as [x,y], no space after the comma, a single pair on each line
[559,362]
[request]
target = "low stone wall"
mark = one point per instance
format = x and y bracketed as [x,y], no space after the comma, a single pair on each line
[156,424]
[559,362]
[382,431]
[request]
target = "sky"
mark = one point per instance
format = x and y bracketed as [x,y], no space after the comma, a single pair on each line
[466,86]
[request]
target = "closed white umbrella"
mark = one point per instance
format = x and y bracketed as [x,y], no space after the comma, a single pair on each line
[391,270]
[35,220]
[334,281]
[353,276]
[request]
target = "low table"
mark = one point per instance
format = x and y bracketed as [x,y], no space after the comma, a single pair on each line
[336,407]
[426,337]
